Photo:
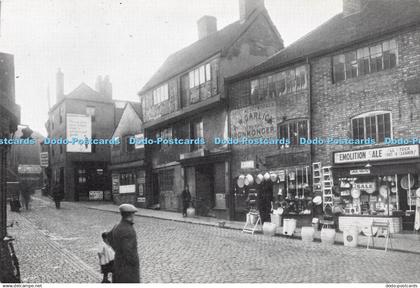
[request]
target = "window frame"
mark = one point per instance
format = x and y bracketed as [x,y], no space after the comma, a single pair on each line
[287,124]
[371,114]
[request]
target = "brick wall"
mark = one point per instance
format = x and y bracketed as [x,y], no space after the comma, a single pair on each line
[334,104]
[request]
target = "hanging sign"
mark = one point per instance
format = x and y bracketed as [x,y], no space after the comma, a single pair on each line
[43,159]
[369,187]
[248,164]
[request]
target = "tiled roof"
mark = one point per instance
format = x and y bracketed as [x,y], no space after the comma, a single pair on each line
[137,107]
[199,51]
[378,17]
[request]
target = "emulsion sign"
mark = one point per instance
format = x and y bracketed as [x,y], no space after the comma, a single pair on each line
[79,127]
[254,122]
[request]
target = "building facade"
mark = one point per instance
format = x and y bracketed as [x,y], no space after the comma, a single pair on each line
[81,170]
[357,106]
[9,120]
[186,99]
[128,167]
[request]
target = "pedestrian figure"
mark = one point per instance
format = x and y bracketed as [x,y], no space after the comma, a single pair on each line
[58,196]
[123,240]
[106,258]
[25,194]
[186,199]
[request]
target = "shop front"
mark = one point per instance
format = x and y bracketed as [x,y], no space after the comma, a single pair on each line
[377,184]
[284,189]
[128,184]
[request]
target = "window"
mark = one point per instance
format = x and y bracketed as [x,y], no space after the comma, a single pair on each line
[127,178]
[166,180]
[197,132]
[116,146]
[61,149]
[293,131]
[81,176]
[376,125]
[279,84]
[160,94]
[90,111]
[128,147]
[93,146]
[365,60]
[164,134]
[200,75]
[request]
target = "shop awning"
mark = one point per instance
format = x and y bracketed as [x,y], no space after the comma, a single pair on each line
[120,166]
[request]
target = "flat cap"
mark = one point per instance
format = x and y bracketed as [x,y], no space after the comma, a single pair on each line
[127,208]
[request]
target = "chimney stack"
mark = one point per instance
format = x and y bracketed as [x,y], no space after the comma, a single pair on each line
[107,87]
[206,26]
[246,7]
[59,85]
[353,6]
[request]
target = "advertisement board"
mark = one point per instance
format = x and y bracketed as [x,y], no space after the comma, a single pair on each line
[79,127]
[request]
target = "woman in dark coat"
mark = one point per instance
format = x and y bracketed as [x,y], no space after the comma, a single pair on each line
[58,196]
[123,240]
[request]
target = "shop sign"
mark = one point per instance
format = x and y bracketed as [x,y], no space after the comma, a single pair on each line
[377,154]
[96,195]
[248,164]
[359,171]
[369,187]
[141,199]
[43,159]
[115,183]
[127,188]
[257,121]
[29,169]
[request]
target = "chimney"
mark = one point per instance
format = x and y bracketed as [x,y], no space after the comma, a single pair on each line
[246,7]
[206,25]
[99,84]
[59,85]
[107,87]
[353,6]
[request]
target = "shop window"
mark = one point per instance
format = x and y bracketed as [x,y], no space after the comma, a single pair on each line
[293,130]
[128,178]
[116,147]
[365,60]
[376,126]
[164,134]
[166,180]
[375,195]
[90,111]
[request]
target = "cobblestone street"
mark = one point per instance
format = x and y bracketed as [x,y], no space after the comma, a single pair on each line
[60,246]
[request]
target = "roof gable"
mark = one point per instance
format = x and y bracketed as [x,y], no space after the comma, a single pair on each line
[130,122]
[85,92]
[201,50]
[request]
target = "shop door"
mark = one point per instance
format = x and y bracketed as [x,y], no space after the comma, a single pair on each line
[204,189]
[80,184]
[155,189]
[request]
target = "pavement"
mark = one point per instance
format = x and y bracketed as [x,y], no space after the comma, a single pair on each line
[402,242]
[60,246]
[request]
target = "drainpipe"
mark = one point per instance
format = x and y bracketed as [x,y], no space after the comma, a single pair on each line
[311,154]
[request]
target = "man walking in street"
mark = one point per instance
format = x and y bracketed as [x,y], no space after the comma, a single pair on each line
[186,199]
[123,240]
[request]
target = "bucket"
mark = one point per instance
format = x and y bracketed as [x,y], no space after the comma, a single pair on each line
[269,229]
[251,219]
[350,236]
[328,235]
[276,219]
[190,212]
[289,226]
[307,234]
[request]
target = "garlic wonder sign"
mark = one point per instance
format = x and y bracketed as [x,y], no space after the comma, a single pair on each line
[254,122]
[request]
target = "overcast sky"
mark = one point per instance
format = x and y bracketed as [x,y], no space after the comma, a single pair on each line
[127,40]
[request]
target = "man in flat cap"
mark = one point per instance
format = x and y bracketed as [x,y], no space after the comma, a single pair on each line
[123,240]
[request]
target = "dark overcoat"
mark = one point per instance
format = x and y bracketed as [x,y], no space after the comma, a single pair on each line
[123,240]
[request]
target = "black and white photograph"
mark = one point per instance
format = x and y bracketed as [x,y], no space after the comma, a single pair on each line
[210,142]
